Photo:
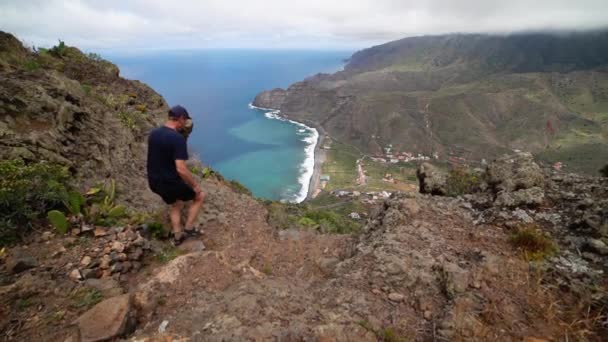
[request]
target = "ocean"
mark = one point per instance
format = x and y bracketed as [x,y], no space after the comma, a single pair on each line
[272,157]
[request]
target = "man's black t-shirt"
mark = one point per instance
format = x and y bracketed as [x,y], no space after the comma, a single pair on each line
[165,146]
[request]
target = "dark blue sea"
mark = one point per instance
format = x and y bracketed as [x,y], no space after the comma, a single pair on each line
[272,157]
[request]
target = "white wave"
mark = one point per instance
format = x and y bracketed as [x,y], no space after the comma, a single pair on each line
[308,165]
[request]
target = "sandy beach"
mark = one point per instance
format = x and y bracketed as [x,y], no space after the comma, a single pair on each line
[315,180]
[320,155]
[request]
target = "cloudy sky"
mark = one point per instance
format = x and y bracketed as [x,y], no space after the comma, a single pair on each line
[184,24]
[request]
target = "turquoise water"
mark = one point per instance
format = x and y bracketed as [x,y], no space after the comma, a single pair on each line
[216,86]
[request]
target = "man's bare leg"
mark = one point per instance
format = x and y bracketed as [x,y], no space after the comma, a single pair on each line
[194,209]
[176,217]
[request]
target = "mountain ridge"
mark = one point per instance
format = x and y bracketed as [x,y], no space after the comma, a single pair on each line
[428,94]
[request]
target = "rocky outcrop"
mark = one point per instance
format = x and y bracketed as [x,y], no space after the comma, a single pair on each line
[431,180]
[272,99]
[75,110]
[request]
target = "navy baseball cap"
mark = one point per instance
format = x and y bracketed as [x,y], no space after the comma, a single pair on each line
[178,111]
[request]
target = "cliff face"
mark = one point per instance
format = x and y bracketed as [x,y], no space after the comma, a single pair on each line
[470,95]
[64,106]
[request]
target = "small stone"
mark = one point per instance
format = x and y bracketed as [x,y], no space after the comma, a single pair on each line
[60,250]
[126,266]
[107,250]
[76,275]
[90,273]
[122,257]
[69,241]
[86,228]
[130,235]
[75,231]
[376,291]
[46,236]
[597,246]
[98,232]
[116,268]
[477,284]
[118,246]
[136,266]
[396,297]
[163,326]
[105,262]
[428,315]
[121,236]
[136,254]
[85,261]
[327,265]
[20,261]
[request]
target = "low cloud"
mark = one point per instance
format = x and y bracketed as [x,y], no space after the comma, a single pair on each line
[159,24]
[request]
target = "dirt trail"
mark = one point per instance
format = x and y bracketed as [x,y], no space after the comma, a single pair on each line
[420,270]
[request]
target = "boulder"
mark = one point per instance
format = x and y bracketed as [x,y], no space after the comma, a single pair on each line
[107,320]
[514,172]
[431,179]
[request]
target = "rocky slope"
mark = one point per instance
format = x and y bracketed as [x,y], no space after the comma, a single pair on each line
[74,109]
[425,267]
[474,96]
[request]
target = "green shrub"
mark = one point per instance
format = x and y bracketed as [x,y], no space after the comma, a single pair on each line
[461,181]
[58,220]
[58,50]
[101,209]
[95,57]
[27,193]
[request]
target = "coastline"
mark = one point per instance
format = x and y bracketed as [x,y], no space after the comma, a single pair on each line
[312,174]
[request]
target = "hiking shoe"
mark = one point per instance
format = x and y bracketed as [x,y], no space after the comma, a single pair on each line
[193,232]
[178,239]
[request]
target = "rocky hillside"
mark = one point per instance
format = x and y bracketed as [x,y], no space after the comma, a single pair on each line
[424,267]
[63,106]
[472,96]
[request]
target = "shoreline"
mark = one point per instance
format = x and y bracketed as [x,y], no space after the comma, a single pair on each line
[318,155]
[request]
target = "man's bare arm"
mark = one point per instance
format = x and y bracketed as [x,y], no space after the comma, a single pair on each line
[186,175]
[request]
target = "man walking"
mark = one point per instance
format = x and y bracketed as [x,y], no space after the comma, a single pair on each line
[168,175]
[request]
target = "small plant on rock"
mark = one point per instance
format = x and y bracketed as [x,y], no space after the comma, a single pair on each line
[102,209]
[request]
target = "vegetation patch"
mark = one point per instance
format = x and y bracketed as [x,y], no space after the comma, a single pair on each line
[240,188]
[85,298]
[168,253]
[533,243]
[27,192]
[461,181]
[302,216]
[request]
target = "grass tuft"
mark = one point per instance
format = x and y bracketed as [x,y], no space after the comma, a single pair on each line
[533,243]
